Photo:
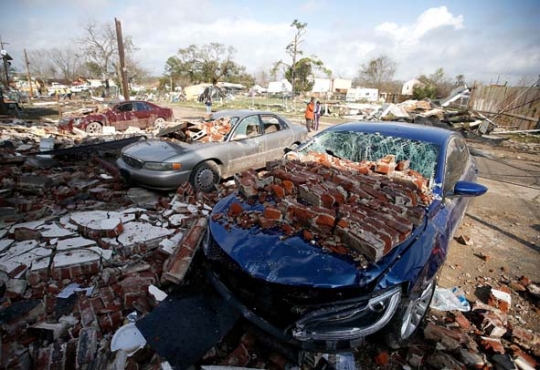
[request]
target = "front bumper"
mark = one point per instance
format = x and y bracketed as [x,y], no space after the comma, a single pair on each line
[317,333]
[158,180]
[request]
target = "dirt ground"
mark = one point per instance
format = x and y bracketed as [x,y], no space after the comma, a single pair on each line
[504,230]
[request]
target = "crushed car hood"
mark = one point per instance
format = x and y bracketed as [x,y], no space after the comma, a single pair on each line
[267,255]
[157,150]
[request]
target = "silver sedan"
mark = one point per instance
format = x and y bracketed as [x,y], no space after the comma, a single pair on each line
[254,138]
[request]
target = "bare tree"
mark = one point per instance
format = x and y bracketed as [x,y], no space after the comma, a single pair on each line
[99,45]
[40,64]
[67,61]
[377,72]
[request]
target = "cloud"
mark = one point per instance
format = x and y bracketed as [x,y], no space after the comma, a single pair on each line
[429,20]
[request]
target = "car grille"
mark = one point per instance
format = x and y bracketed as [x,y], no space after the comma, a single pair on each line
[130,161]
[279,304]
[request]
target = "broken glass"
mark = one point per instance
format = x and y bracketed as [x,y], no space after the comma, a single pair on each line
[359,146]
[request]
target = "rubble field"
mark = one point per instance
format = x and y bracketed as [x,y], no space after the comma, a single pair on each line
[82,254]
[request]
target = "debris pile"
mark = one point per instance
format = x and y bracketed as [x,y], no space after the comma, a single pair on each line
[482,338]
[209,131]
[360,209]
[81,255]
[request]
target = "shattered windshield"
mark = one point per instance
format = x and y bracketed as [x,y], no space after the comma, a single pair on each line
[358,146]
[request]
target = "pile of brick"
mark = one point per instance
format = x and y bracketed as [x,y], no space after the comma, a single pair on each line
[482,338]
[360,209]
[67,282]
[210,131]
[80,252]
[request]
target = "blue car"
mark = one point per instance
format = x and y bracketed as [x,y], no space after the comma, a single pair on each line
[359,257]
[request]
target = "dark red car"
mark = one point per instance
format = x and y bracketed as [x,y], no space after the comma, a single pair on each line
[141,114]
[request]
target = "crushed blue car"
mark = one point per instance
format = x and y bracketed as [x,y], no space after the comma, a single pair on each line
[344,237]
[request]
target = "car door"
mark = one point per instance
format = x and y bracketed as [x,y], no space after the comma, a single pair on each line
[247,145]
[143,115]
[277,135]
[123,116]
[458,167]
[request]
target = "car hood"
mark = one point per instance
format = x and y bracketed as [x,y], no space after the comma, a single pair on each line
[158,150]
[266,255]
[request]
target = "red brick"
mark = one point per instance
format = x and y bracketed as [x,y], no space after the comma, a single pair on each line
[86,346]
[272,213]
[43,358]
[279,191]
[235,209]
[382,358]
[240,357]
[492,345]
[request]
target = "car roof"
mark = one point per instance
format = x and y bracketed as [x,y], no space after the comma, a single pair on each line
[240,113]
[428,134]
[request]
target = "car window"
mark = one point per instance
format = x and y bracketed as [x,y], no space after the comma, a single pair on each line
[141,106]
[272,123]
[359,146]
[457,157]
[128,107]
[248,127]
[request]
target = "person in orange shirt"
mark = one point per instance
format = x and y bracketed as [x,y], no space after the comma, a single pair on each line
[310,114]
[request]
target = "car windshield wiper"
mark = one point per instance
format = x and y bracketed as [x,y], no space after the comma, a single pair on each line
[330,152]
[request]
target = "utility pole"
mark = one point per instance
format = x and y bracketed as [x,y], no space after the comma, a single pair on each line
[123,69]
[28,75]
[5,58]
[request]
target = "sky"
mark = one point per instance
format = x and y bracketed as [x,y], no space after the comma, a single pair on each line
[488,41]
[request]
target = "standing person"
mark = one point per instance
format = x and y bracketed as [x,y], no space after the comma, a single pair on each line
[208,102]
[317,115]
[310,109]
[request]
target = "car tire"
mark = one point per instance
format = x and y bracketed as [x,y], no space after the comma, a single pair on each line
[205,176]
[159,123]
[409,316]
[94,128]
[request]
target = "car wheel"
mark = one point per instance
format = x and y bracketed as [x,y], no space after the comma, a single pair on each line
[205,176]
[409,316]
[159,122]
[94,128]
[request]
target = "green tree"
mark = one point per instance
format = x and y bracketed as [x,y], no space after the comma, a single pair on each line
[377,73]
[207,63]
[436,85]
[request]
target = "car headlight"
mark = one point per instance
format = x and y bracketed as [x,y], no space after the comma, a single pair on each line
[349,321]
[162,166]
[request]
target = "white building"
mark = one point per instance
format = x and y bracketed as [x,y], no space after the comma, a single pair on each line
[282,86]
[361,94]
[408,86]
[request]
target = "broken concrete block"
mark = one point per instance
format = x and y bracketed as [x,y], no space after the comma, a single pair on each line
[74,243]
[450,339]
[48,331]
[15,288]
[492,325]
[500,298]
[38,185]
[472,360]
[21,314]
[441,360]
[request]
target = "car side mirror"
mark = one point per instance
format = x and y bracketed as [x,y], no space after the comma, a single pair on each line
[287,150]
[468,189]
